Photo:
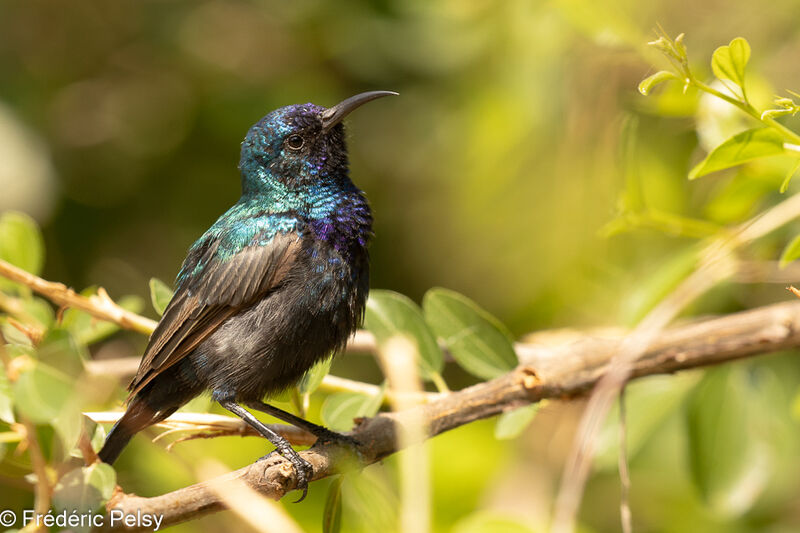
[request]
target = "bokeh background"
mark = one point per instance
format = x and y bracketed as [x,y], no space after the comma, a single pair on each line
[495,173]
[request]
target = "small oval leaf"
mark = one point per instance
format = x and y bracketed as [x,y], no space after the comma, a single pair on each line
[85,489]
[741,148]
[21,243]
[389,314]
[60,349]
[47,396]
[312,379]
[477,340]
[509,425]
[341,409]
[647,84]
[729,62]
[41,392]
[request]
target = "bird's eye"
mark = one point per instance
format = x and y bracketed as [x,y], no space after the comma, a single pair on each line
[295,142]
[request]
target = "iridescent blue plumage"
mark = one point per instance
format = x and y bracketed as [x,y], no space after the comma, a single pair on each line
[277,283]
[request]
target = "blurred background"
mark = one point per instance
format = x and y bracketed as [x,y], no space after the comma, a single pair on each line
[498,172]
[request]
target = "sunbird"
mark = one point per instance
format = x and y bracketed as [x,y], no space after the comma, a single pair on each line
[276,284]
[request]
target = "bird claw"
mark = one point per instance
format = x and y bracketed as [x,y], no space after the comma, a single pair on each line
[302,468]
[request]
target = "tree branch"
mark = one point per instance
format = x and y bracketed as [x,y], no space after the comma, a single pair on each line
[98,305]
[556,371]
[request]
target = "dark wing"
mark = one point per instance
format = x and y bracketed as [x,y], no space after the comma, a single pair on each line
[205,299]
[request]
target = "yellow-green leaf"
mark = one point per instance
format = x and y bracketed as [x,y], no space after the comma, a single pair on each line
[741,148]
[479,342]
[312,379]
[390,314]
[85,489]
[21,244]
[791,252]
[789,176]
[647,84]
[341,409]
[511,424]
[729,62]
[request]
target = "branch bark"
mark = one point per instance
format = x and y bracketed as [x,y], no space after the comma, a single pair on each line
[98,305]
[555,371]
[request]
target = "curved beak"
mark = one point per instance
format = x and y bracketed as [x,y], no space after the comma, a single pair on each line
[334,115]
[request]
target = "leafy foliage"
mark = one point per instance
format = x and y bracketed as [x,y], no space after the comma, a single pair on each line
[733,453]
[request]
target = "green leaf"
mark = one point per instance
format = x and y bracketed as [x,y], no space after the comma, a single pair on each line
[509,425]
[729,455]
[729,62]
[647,84]
[340,409]
[160,295]
[390,314]
[12,334]
[370,501]
[741,148]
[47,396]
[21,242]
[60,350]
[789,176]
[791,252]
[477,340]
[39,309]
[41,392]
[332,515]
[312,379]
[85,489]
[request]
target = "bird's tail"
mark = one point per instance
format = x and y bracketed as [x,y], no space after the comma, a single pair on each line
[137,417]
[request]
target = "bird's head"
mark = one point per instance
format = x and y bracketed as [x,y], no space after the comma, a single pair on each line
[298,146]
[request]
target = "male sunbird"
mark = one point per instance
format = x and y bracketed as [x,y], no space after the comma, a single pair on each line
[278,283]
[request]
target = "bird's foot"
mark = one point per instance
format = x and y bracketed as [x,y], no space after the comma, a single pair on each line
[302,468]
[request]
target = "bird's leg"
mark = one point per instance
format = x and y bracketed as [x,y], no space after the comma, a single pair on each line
[323,434]
[302,467]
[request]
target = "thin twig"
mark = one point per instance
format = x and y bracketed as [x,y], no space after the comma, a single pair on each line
[208,425]
[624,474]
[99,305]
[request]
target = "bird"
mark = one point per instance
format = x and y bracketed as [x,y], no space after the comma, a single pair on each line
[278,283]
